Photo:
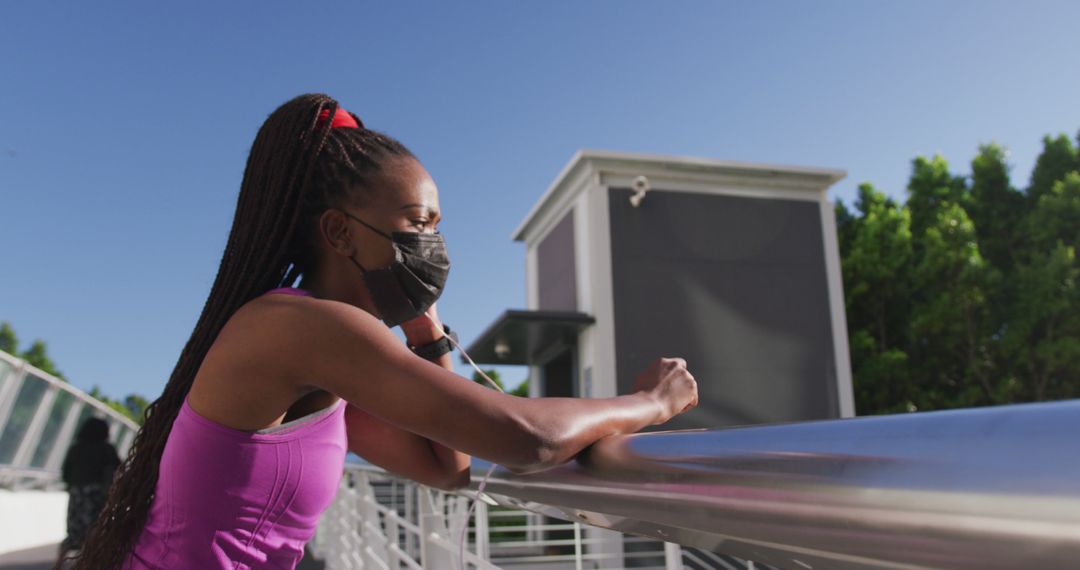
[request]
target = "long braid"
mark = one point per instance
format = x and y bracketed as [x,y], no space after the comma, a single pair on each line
[298,167]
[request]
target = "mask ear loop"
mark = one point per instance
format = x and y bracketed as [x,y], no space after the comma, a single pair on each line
[367,225]
[483,482]
[358,266]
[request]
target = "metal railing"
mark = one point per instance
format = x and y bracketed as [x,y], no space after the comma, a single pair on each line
[379,520]
[39,417]
[989,488]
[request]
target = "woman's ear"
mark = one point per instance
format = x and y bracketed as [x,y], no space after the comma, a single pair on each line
[335,232]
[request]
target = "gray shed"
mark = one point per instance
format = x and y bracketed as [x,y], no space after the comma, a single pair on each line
[733,266]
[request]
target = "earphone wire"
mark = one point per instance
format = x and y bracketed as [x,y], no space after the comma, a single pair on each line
[483,482]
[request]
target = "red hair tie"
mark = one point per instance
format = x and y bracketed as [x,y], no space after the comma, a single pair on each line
[342,119]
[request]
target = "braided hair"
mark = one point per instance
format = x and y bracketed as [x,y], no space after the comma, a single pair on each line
[298,167]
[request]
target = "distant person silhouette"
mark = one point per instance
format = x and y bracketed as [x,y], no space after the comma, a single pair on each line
[88,471]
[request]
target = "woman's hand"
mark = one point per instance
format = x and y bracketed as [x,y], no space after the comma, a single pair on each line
[425,329]
[672,386]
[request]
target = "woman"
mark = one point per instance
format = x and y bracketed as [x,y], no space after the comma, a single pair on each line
[87,471]
[223,474]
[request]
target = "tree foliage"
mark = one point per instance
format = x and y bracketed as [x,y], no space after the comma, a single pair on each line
[132,407]
[968,294]
[9,343]
[521,389]
[38,356]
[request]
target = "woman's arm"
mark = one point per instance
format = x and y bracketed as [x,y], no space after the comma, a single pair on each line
[348,352]
[403,452]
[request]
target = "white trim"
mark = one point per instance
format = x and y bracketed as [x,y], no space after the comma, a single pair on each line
[582,277]
[583,294]
[845,390]
[702,164]
[547,196]
[534,379]
[532,280]
[758,175]
[10,359]
[553,211]
[601,341]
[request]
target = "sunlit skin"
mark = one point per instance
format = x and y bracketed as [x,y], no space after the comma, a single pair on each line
[280,357]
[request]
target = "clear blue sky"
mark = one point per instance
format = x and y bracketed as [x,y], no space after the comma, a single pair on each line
[124,127]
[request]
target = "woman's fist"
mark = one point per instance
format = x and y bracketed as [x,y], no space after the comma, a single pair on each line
[669,382]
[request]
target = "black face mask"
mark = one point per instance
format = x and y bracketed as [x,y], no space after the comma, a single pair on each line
[413,282]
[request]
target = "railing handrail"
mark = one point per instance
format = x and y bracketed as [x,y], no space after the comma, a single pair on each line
[82,395]
[982,488]
[26,460]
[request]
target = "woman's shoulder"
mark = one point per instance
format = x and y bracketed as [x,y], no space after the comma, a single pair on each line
[261,362]
[289,313]
[278,327]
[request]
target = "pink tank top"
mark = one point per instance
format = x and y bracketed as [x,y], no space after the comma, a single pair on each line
[237,500]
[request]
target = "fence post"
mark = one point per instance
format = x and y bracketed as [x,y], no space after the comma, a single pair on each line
[393,549]
[577,545]
[482,536]
[32,437]
[672,556]
[433,526]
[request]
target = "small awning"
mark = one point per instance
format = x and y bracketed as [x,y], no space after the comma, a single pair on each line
[518,336]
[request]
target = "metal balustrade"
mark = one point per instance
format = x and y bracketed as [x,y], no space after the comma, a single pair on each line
[989,488]
[39,417]
[379,520]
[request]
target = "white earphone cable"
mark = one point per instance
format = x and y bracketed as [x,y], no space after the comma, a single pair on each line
[483,482]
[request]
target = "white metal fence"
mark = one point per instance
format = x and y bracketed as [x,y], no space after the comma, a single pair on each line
[39,417]
[379,520]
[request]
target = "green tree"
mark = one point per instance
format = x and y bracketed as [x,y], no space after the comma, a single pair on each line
[493,374]
[951,325]
[38,355]
[1058,158]
[995,207]
[136,406]
[846,222]
[931,184]
[1043,336]
[968,294]
[876,272]
[521,389]
[9,343]
[119,407]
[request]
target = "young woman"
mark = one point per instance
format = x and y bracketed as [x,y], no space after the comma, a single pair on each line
[244,448]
